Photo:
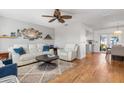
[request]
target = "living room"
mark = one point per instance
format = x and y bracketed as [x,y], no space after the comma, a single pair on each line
[34,30]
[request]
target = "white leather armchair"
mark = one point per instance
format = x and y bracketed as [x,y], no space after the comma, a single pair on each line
[69,52]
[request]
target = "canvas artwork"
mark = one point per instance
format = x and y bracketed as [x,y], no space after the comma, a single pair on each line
[48,37]
[31,34]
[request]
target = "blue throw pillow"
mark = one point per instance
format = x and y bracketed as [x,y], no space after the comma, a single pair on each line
[19,51]
[45,48]
[51,46]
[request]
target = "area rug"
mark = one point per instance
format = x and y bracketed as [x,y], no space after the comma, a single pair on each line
[32,73]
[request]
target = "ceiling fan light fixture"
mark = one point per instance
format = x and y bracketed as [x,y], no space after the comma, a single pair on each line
[57,15]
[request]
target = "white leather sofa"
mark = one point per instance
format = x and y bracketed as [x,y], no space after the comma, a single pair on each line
[32,50]
[69,52]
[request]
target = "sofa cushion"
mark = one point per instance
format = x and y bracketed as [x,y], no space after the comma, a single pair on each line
[40,47]
[30,56]
[19,51]
[63,53]
[26,57]
[33,48]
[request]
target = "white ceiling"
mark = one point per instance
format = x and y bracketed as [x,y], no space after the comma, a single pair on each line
[94,18]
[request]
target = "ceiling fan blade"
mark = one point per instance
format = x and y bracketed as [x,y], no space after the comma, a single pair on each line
[61,20]
[66,17]
[57,13]
[47,16]
[52,20]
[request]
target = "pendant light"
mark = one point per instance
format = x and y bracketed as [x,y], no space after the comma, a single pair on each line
[117,32]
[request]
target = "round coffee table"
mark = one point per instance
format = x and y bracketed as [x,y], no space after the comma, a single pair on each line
[47,62]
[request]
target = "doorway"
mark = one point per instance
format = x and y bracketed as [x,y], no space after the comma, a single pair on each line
[103,42]
[107,41]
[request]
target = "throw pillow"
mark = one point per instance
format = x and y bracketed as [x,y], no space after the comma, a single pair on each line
[51,46]
[45,48]
[19,51]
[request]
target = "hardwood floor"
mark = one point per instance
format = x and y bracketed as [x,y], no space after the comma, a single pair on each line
[95,68]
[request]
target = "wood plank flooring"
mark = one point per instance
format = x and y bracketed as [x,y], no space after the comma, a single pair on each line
[95,68]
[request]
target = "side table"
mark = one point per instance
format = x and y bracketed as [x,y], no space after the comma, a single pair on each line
[4,55]
[55,50]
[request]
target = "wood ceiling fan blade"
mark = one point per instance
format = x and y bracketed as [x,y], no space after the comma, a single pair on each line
[52,20]
[61,20]
[47,16]
[57,13]
[66,17]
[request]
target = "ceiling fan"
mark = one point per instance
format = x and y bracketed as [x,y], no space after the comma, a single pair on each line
[57,15]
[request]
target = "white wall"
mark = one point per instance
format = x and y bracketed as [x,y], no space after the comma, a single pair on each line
[67,34]
[122,37]
[89,34]
[73,33]
[108,31]
[8,25]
